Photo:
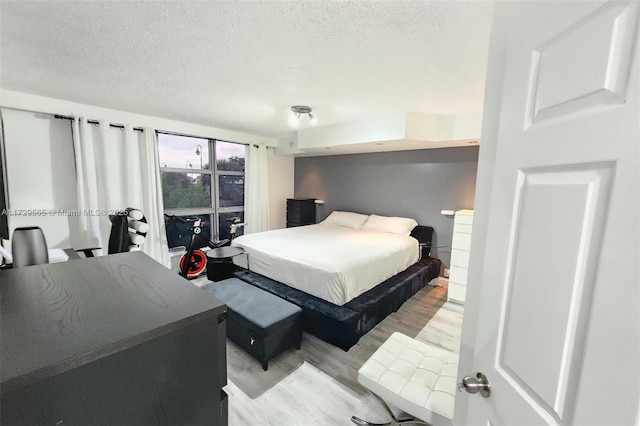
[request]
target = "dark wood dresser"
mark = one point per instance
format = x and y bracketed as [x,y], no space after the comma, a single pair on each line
[112,340]
[301,211]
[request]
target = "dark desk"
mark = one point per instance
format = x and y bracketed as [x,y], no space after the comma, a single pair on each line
[109,340]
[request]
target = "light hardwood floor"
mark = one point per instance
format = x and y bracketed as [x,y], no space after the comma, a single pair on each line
[317,385]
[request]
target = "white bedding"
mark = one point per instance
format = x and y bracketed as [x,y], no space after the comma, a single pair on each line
[332,262]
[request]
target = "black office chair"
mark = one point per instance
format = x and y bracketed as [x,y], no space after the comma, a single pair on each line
[128,232]
[29,247]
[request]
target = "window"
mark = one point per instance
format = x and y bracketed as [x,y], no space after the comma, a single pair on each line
[191,187]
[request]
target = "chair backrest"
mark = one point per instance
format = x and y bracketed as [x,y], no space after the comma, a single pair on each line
[128,231]
[29,247]
[119,236]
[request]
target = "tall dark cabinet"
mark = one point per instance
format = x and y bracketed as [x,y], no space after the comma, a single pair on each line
[301,211]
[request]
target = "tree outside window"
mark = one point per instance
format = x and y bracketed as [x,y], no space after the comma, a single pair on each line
[187,188]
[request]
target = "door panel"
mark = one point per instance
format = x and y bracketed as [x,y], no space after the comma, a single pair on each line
[599,44]
[557,334]
[550,282]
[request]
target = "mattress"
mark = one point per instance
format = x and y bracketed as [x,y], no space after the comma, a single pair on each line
[334,263]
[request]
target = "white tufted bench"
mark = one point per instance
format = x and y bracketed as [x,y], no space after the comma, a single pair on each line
[413,376]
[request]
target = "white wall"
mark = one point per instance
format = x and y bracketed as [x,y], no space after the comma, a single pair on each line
[381,128]
[43,104]
[281,175]
[40,173]
[430,129]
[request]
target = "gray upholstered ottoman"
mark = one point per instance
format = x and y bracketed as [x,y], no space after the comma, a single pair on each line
[259,322]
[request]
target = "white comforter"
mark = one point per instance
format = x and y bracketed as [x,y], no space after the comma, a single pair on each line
[332,262]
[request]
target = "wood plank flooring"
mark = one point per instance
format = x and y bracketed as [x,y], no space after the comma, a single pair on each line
[317,385]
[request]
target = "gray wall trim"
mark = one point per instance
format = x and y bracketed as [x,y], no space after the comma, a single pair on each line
[417,184]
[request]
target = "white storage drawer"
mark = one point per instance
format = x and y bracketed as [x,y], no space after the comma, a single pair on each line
[458,275]
[463,228]
[456,292]
[463,217]
[461,241]
[459,258]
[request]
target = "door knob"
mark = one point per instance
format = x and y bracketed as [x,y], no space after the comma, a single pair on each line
[480,383]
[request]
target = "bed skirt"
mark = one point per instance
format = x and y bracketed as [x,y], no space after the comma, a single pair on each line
[343,326]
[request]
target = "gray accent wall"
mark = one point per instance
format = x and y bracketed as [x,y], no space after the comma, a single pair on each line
[417,184]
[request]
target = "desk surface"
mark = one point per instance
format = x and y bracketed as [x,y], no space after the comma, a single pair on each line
[56,317]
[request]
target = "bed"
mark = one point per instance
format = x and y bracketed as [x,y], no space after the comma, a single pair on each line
[345,278]
[332,262]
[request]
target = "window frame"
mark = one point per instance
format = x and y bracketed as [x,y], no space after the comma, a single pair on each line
[215,210]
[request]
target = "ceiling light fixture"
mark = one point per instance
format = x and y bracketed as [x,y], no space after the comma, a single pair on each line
[297,111]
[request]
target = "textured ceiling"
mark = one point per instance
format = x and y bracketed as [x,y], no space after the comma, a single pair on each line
[241,65]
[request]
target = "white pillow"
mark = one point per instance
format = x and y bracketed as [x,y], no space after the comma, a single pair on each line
[347,219]
[392,225]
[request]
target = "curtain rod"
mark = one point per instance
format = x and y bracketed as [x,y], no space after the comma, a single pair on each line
[167,132]
[96,122]
[137,129]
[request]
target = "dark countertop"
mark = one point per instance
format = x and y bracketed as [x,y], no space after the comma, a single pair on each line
[59,316]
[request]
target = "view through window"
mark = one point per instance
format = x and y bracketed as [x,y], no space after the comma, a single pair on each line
[191,187]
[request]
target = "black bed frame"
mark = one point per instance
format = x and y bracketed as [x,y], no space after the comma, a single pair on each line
[343,325]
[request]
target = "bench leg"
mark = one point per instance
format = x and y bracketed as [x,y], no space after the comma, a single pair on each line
[265,365]
[394,420]
[359,421]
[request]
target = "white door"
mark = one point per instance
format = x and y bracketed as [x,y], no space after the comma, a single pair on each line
[558,330]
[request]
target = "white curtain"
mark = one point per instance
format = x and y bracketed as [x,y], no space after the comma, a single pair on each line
[156,244]
[89,235]
[116,169]
[257,190]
